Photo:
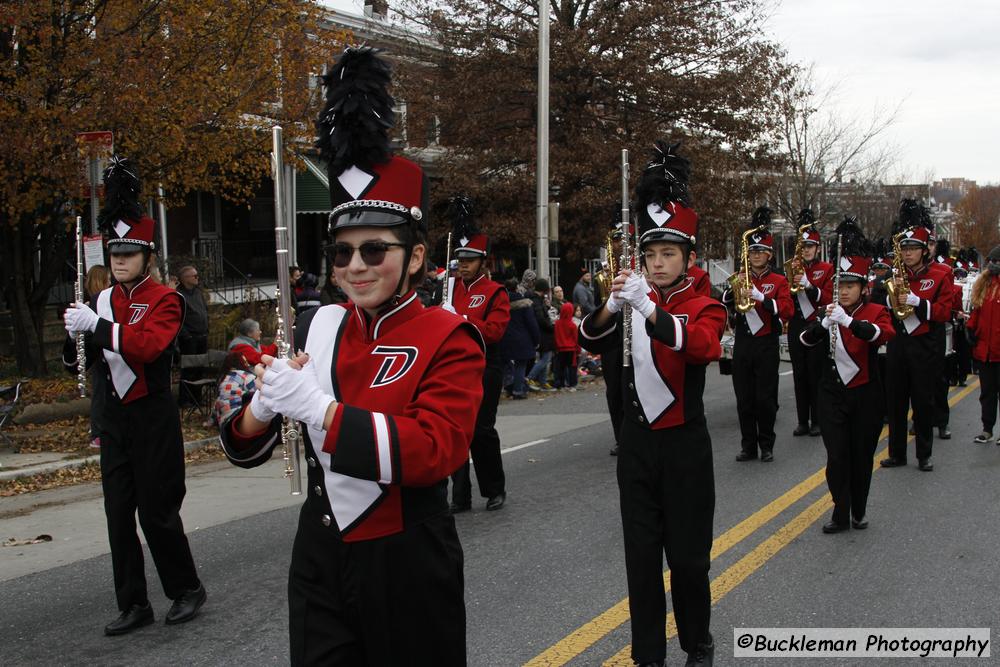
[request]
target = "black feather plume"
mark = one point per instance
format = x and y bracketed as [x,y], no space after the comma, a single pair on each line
[354,125]
[121,193]
[943,248]
[880,248]
[852,239]
[460,212]
[761,216]
[665,178]
[912,214]
[806,217]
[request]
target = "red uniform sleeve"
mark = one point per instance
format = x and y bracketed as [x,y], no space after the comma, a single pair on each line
[956,291]
[825,288]
[426,442]
[783,300]
[146,340]
[495,324]
[887,330]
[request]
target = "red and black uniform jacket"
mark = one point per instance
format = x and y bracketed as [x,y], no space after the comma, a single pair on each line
[486,305]
[408,386]
[854,363]
[932,284]
[702,283]
[765,318]
[663,387]
[814,299]
[134,338]
[984,325]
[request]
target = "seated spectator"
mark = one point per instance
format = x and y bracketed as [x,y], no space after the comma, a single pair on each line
[247,342]
[237,380]
[307,294]
[331,292]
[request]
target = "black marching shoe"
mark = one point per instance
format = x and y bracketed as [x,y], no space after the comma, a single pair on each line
[496,502]
[131,619]
[458,508]
[859,524]
[814,431]
[834,527]
[654,663]
[944,433]
[983,437]
[702,655]
[925,464]
[801,429]
[746,456]
[614,450]
[186,606]
[766,457]
[892,462]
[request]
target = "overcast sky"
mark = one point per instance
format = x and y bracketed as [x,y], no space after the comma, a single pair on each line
[939,58]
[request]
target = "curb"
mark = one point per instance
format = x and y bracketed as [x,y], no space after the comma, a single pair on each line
[53,466]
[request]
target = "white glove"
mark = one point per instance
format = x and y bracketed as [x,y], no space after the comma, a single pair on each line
[259,410]
[912,299]
[635,292]
[79,317]
[295,394]
[804,281]
[614,303]
[450,308]
[757,295]
[826,323]
[840,316]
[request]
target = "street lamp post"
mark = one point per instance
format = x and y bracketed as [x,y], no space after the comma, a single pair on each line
[542,197]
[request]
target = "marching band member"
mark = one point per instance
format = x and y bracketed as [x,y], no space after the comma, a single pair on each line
[850,391]
[142,448]
[755,350]
[698,276]
[386,392]
[665,476]
[984,334]
[914,357]
[940,258]
[485,304]
[815,292]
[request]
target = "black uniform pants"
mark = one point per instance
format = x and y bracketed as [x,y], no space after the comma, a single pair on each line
[667,491]
[142,468]
[395,600]
[755,381]
[989,384]
[807,365]
[851,421]
[485,447]
[611,366]
[912,367]
[963,354]
[942,412]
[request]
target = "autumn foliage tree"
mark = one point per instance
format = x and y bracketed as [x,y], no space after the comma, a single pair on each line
[188,88]
[979,218]
[622,75]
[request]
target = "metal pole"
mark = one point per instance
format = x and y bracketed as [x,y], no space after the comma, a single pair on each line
[94,203]
[163,228]
[542,196]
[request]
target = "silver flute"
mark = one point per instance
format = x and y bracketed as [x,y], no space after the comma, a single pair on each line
[81,347]
[836,296]
[283,336]
[447,271]
[626,263]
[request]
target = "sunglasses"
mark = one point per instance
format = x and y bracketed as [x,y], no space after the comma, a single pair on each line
[372,252]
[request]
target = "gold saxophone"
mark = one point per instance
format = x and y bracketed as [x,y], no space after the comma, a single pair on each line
[897,287]
[606,276]
[796,266]
[743,289]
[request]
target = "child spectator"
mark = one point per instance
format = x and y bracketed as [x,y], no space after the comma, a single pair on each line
[237,380]
[564,366]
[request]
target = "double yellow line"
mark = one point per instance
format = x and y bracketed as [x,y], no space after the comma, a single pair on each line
[597,628]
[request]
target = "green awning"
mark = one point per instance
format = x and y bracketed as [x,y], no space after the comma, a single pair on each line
[312,188]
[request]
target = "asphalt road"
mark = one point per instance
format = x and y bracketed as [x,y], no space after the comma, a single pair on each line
[545,581]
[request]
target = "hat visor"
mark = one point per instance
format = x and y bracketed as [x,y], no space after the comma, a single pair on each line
[468,253]
[760,246]
[662,236]
[852,277]
[367,218]
[916,242]
[126,247]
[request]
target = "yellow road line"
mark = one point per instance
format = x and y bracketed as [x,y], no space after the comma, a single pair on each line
[743,568]
[597,628]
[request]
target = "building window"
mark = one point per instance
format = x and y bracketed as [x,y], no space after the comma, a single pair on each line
[209,213]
